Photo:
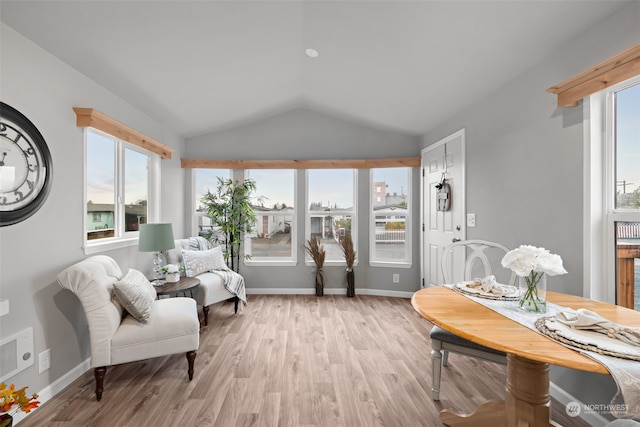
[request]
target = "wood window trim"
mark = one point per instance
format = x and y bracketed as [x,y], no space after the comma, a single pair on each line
[301,164]
[90,117]
[614,70]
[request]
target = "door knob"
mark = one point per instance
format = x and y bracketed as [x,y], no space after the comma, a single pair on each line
[455,239]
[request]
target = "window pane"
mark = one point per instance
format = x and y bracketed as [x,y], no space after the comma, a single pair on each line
[628,264]
[206,180]
[331,206]
[275,214]
[390,205]
[627,148]
[100,186]
[136,189]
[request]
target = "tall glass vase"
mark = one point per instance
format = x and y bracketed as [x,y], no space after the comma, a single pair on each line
[319,282]
[533,292]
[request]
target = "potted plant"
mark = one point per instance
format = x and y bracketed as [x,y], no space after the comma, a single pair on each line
[9,397]
[232,215]
[317,253]
[346,244]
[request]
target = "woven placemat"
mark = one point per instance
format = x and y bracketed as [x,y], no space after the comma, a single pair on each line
[542,327]
[486,295]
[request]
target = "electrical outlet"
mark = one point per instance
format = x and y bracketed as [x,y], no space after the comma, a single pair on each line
[44,360]
[396,278]
[471,220]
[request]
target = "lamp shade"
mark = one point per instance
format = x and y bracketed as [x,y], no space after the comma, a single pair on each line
[155,237]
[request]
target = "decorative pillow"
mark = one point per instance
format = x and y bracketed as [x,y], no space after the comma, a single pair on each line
[197,262]
[136,294]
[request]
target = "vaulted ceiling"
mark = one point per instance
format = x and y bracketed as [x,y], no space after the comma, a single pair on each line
[202,66]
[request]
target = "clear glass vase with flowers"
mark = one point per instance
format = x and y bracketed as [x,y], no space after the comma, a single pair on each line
[531,264]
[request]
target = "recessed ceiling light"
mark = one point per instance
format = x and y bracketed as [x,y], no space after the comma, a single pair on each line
[311,53]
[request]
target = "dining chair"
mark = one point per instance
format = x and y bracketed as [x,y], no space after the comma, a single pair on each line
[479,255]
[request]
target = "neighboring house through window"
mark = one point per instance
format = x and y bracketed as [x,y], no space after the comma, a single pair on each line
[331,210]
[272,241]
[390,218]
[121,191]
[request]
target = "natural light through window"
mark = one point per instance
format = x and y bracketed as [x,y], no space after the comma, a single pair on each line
[118,188]
[331,210]
[390,219]
[274,231]
[205,180]
[623,112]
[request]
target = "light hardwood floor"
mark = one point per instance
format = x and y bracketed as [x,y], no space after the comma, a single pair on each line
[289,361]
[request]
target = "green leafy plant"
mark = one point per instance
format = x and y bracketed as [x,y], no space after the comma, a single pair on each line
[231,211]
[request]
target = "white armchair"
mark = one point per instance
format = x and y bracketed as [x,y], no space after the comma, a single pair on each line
[172,326]
[211,289]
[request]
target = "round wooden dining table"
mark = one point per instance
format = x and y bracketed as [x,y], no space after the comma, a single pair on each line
[529,353]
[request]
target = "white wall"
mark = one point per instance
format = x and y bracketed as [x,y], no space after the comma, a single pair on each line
[306,134]
[33,252]
[524,166]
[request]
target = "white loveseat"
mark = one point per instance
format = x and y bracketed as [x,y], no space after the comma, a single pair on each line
[211,289]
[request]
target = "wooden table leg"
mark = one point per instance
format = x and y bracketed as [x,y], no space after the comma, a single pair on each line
[527,401]
[526,404]
[488,414]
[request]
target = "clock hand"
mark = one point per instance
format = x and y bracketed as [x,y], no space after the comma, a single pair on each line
[3,157]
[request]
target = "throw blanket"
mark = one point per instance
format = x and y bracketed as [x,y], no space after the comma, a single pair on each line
[233,282]
[199,244]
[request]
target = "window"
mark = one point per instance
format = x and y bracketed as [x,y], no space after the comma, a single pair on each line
[272,241]
[613,185]
[390,223]
[623,210]
[205,180]
[331,210]
[121,191]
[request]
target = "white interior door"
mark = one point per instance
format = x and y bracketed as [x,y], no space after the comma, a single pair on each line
[441,228]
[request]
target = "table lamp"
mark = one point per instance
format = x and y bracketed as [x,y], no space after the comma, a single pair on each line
[156,238]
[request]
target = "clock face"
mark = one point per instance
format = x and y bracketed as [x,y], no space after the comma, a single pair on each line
[25,167]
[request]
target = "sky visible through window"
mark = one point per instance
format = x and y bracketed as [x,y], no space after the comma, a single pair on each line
[628,139]
[101,171]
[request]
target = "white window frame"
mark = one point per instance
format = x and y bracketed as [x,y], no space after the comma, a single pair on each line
[600,215]
[354,222]
[277,261]
[407,261]
[121,239]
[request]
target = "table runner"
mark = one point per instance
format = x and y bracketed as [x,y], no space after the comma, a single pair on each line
[626,373]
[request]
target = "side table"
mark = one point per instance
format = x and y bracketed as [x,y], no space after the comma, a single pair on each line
[183,287]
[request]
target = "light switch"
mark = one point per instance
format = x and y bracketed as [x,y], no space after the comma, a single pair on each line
[4,307]
[471,220]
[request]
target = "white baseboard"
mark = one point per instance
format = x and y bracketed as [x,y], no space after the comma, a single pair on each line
[564,398]
[56,387]
[327,291]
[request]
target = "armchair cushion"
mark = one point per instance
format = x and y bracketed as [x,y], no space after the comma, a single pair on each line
[172,325]
[136,294]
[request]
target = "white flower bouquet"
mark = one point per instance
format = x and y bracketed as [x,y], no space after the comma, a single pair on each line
[531,263]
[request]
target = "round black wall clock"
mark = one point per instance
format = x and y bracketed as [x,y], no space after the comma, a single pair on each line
[25,167]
